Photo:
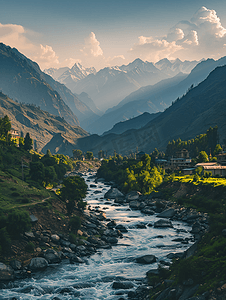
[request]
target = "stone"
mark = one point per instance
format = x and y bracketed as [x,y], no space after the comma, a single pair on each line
[133,195]
[33,219]
[175,255]
[16,265]
[134,204]
[113,193]
[109,239]
[111,224]
[124,285]
[38,263]
[146,259]
[167,213]
[29,235]
[52,256]
[121,227]
[55,238]
[75,259]
[147,210]
[6,272]
[163,223]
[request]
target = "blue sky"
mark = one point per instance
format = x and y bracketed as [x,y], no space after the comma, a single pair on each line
[103,33]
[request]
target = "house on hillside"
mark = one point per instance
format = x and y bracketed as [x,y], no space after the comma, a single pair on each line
[14,133]
[181,161]
[221,158]
[140,155]
[216,170]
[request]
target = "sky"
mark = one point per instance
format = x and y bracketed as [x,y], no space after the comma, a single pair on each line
[104,33]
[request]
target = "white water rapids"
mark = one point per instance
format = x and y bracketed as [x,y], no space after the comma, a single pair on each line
[94,279]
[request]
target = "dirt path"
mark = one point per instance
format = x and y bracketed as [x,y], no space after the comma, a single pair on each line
[33,203]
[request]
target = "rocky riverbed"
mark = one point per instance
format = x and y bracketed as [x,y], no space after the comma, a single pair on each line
[121,239]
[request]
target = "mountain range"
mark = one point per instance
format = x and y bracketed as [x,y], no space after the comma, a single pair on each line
[201,107]
[22,80]
[110,85]
[154,98]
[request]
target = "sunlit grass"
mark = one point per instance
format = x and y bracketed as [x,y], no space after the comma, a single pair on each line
[213,181]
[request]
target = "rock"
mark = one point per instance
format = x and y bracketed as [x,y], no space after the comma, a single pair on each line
[33,219]
[65,243]
[163,223]
[30,236]
[124,285]
[146,259]
[111,224]
[52,256]
[38,263]
[188,282]
[133,195]
[16,265]
[168,213]
[6,272]
[147,210]
[93,185]
[55,238]
[113,193]
[134,204]
[189,292]
[141,226]
[109,239]
[121,228]
[197,228]
[152,272]
[75,259]
[175,255]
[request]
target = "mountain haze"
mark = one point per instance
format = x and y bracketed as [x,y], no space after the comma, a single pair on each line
[202,107]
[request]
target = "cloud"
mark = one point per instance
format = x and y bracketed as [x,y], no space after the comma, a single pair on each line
[152,49]
[201,37]
[15,36]
[92,46]
[46,56]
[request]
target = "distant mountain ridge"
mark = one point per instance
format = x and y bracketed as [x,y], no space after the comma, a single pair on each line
[21,81]
[41,125]
[111,84]
[156,97]
[79,108]
[203,106]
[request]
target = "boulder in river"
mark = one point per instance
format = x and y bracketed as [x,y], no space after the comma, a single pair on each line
[52,256]
[133,195]
[146,259]
[122,285]
[134,204]
[163,223]
[38,263]
[168,213]
[113,193]
[121,227]
[6,272]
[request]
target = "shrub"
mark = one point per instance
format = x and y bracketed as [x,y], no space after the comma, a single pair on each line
[5,242]
[75,223]
[18,222]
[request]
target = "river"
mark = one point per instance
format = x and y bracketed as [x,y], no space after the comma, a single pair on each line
[93,280]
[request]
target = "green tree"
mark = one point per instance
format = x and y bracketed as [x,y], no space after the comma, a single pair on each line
[203,157]
[217,150]
[89,155]
[5,127]
[77,154]
[50,174]
[74,189]
[37,171]
[18,222]
[28,142]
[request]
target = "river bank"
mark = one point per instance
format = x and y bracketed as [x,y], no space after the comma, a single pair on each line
[102,252]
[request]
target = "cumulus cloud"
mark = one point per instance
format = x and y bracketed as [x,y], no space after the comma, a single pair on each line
[149,48]
[202,36]
[46,56]
[92,46]
[15,36]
